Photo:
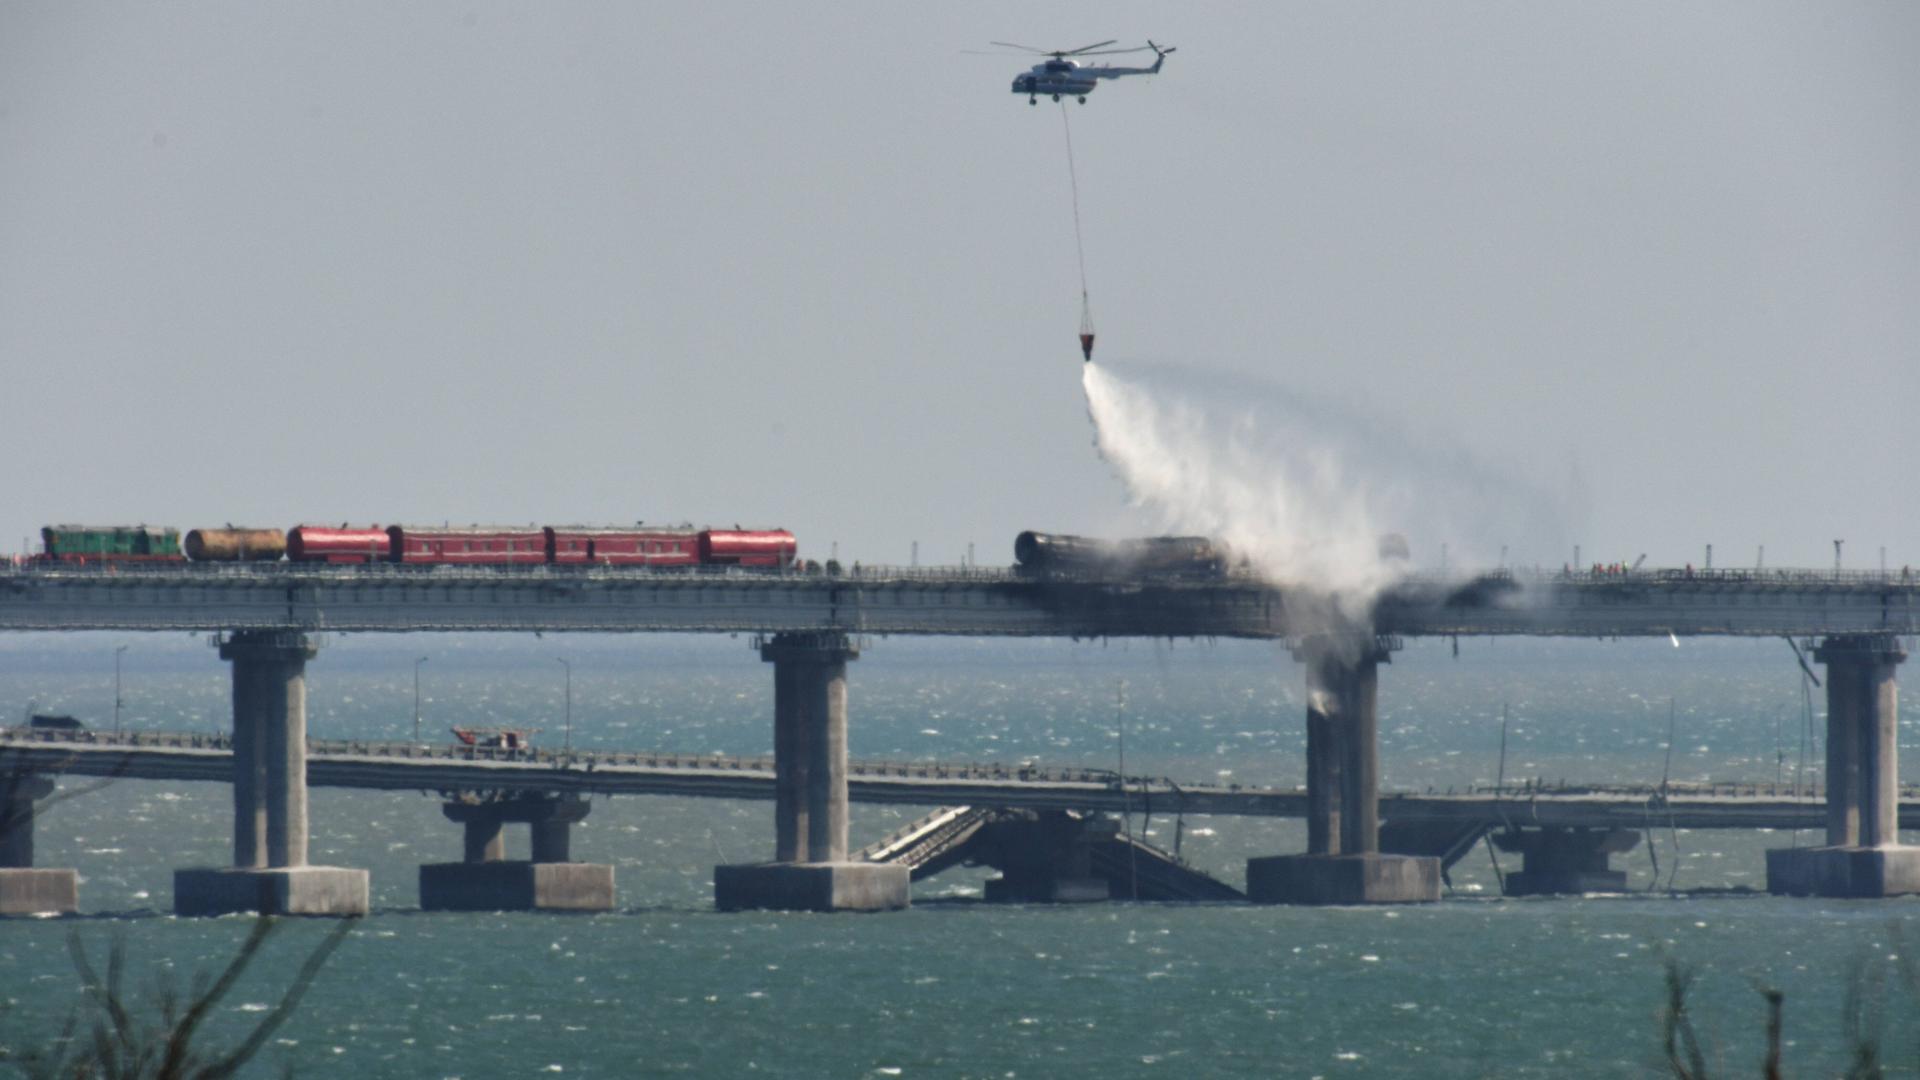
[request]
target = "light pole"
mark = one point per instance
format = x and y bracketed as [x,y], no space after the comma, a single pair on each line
[116,688]
[416,697]
[567,746]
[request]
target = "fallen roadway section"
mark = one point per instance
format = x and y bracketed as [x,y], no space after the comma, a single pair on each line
[1046,856]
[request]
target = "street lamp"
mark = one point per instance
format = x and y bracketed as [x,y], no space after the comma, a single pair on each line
[116,689]
[568,744]
[416,697]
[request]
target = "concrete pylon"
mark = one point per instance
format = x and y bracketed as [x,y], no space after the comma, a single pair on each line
[25,889]
[790,760]
[1862,856]
[810,871]
[270,874]
[1343,863]
[486,880]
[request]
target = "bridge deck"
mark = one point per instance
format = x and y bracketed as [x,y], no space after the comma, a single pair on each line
[954,600]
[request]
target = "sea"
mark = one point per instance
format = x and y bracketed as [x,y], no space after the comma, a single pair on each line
[1475,985]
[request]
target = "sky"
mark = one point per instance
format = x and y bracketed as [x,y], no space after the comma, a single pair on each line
[1653,265]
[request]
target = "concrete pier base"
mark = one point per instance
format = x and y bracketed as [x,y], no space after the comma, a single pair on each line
[1559,861]
[24,888]
[287,890]
[1369,878]
[811,871]
[835,886]
[1343,863]
[503,885]
[1855,873]
[488,881]
[30,891]
[1862,857]
[269,874]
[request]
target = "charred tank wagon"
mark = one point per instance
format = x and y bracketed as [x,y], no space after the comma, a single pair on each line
[1056,553]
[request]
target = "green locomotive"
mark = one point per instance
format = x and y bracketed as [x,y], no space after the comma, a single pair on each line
[118,543]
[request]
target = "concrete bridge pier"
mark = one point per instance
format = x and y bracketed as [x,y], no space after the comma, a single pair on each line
[486,880]
[1863,856]
[1343,863]
[1565,860]
[24,888]
[811,870]
[270,874]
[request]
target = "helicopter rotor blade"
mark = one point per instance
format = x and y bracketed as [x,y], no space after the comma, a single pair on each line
[1112,52]
[1022,48]
[1084,48]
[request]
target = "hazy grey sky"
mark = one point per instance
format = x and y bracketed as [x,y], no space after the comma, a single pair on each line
[812,266]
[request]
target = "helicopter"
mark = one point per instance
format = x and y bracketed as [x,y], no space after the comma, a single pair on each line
[1062,75]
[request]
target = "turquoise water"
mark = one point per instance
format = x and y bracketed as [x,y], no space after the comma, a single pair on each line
[1473,986]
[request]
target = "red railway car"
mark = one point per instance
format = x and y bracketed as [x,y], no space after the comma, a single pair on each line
[580,545]
[322,543]
[747,547]
[473,546]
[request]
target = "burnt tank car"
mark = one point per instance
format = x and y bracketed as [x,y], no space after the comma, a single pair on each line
[1057,553]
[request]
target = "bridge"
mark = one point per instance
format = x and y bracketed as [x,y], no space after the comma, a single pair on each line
[967,601]
[443,769]
[268,620]
[1542,820]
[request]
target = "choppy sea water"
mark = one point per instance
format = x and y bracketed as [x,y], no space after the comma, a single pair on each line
[1473,986]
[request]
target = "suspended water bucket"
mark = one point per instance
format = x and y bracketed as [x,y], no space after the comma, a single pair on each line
[1086,347]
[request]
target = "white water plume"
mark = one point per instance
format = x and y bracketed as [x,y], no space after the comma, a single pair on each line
[1302,492]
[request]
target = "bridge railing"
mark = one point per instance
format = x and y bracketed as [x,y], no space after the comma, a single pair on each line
[574,759]
[171,740]
[1666,575]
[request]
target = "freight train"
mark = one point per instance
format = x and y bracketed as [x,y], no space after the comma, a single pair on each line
[532,545]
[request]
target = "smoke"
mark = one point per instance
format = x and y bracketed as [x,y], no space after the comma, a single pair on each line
[1303,490]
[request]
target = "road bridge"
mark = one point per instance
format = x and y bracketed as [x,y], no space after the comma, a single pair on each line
[447,770]
[1046,828]
[267,620]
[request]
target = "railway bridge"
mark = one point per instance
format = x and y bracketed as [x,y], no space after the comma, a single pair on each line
[267,619]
